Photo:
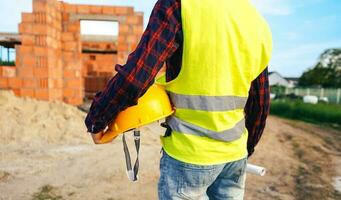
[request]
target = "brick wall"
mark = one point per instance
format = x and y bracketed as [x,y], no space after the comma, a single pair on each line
[8,79]
[50,64]
[98,68]
[39,65]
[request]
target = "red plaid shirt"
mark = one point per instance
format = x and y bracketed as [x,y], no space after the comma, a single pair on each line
[162,43]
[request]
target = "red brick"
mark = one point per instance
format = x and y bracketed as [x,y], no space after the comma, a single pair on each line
[16,92]
[69,73]
[133,45]
[72,65]
[132,39]
[52,33]
[58,26]
[40,29]
[49,19]
[96,9]
[123,47]
[27,39]
[41,72]
[124,10]
[55,72]
[124,29]
[40,17]
[8,72]
[24,49]
[70,46]
[121,57]
[40,51]
[134,20]
[14,83]
[69,8]
[43,83]
[42,94]
[27,93]
[57,5]
[39,6]
[79,93]
[29,83]
[74,83]
[68,92]
[65,16]
[27,17]
[58,83]
[56,94]
[26,71]
[138,30]
[40,61]
[74,101]
[68,56]
[40,40]
[26,28]
[51,42]
[52,11]
[73,27]
[68,37]
[3,83]
[28,61]
[108,10]
[83,9]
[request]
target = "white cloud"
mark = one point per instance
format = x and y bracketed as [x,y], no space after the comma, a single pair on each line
[293,61]
[291,35]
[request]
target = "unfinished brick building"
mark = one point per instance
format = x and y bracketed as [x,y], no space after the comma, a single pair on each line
[54,62]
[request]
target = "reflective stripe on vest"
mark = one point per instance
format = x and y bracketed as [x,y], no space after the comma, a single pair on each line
[207,103]
[187,128]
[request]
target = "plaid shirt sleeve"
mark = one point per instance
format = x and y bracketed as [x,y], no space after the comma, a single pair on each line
[137,75]
[257,109]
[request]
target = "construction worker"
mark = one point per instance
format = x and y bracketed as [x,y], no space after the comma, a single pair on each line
[216,54]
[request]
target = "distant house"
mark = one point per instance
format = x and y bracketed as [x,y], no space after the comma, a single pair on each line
[293,81]
[276,79]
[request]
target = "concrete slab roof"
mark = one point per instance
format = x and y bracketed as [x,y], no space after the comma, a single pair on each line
[9,40]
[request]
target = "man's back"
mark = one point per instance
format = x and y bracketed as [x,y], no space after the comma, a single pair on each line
[227,44]
[229,33]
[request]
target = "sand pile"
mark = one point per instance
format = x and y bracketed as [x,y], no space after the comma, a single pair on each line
[29,121]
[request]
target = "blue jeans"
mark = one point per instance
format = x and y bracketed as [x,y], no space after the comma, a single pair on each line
[179,180]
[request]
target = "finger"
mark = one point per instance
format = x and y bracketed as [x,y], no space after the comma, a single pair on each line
[97,137]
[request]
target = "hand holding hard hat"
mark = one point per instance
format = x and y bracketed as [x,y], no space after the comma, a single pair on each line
[152,106]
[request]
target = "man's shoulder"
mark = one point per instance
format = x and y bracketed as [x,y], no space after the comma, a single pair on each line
[167,3]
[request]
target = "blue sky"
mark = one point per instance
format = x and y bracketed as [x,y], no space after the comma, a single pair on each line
[302,30]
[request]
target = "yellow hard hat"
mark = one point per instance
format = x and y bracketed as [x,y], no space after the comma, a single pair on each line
[152,106]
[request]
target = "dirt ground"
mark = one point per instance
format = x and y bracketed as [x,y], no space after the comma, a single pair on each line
[303,160]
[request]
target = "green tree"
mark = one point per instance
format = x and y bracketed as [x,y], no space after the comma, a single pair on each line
[326,73]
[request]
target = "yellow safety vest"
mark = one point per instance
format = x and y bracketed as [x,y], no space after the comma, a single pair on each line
[227,44]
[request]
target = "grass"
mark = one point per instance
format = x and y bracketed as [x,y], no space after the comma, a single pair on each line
[7,63]
[4,175]
[320,113]
[47,192]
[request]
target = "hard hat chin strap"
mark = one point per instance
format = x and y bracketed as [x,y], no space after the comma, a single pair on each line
[132,173]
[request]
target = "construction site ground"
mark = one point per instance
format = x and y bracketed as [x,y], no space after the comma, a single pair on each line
[47,154]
